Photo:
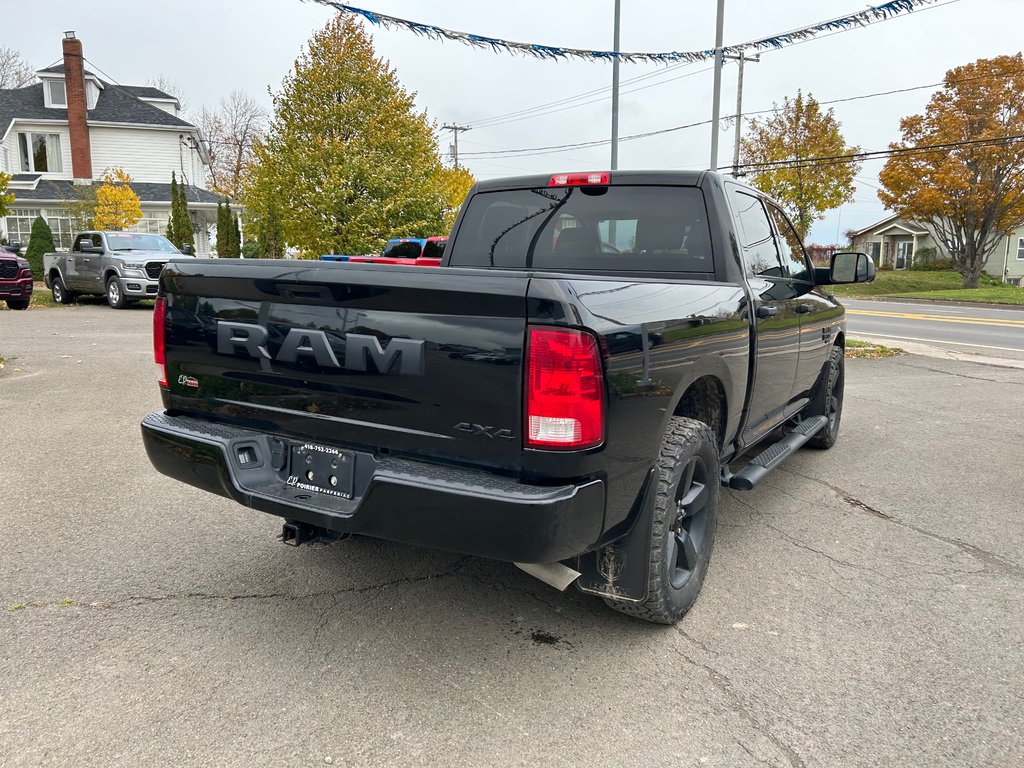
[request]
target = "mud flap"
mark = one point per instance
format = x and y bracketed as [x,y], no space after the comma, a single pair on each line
[620,570]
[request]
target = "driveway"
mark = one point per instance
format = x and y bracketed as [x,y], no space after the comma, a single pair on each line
[863,607]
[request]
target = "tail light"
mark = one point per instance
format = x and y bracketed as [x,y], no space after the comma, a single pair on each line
[159,312]
[564,394]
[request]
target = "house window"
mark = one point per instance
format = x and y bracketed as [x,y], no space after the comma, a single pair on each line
[58,96]
[40,152]
[60,224]
[19,224]
[152,224]
[1020,248]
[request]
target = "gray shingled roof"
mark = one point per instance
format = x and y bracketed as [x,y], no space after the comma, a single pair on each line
[148,192]
[58,69]
[148,92]
[116,104]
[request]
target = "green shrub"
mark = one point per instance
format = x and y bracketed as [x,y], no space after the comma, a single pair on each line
[251,249]
[40,241]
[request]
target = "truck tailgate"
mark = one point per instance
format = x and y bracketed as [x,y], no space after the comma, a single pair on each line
[416,361]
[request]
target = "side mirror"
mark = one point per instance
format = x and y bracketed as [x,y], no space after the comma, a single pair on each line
[851,268]
[14,246]
[187,249]
[91,249]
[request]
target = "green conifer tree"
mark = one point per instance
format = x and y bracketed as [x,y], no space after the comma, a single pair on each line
[172,234]
[40,241]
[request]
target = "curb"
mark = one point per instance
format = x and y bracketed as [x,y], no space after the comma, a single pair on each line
[935,302]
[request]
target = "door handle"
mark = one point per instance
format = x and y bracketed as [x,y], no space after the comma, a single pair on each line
[803,309]
[767,310]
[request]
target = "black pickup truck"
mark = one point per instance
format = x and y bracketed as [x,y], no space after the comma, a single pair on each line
[596,356]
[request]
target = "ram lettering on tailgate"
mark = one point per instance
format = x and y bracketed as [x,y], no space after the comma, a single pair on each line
[405,355]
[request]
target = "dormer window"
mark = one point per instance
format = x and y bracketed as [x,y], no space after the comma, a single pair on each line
[56,96]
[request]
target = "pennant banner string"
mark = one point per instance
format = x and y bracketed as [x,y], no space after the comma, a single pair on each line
[862,18]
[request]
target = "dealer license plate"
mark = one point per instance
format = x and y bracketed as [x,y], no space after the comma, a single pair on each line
[321,469]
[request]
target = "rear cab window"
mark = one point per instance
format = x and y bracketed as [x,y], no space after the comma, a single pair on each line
[404,249]
[602,229]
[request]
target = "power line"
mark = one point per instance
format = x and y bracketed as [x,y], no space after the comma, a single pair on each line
[500,119]
[581,145]
[856,157]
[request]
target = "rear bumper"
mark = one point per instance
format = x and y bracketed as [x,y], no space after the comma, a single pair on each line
[465,511]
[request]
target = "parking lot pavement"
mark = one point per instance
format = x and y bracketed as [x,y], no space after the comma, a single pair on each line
[863,607]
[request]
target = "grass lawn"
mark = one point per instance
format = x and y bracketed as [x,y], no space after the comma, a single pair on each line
[43,299]
[941,286]
[856,348]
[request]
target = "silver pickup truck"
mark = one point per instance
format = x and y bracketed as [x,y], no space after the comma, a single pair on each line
[122,265]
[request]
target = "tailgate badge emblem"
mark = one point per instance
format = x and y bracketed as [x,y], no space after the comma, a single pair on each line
[188,381]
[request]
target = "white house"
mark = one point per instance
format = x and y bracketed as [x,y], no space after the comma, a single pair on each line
[900,244]
[72,126]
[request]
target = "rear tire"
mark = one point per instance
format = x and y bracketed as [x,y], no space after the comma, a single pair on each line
[829,400]
[61,295]
[115,296]
[683,524]
[17,303]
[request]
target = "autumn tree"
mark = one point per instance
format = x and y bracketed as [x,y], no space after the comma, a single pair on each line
[969,191]
[347,161]
[787,140]
[454,183]
[117,205]
[230,132]
[6,198]
[15,72]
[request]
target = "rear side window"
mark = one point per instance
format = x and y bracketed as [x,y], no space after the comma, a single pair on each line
[407,249]
[601,229]
[434,249]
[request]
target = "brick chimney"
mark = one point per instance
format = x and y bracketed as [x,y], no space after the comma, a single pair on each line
[78,126]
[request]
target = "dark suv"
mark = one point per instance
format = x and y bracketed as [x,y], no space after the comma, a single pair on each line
[15,277]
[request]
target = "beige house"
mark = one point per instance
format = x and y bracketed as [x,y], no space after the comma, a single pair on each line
[898,243]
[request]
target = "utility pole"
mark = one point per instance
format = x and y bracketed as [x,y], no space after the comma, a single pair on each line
[615,90]
[739,108]
[455,129]
[716,104]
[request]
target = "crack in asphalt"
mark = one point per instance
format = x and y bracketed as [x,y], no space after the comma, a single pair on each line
[989,559]
[792,539]
[136,600]
[722,683]
[964,375]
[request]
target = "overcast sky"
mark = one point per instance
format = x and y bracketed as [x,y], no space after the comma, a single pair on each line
[211,47]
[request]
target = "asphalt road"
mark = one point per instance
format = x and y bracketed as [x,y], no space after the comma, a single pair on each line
[863,607]
[989,331]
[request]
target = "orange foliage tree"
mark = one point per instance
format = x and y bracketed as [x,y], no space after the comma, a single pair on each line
[117,205]
[970,194]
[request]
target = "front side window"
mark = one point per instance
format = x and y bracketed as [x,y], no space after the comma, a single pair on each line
[606,229]
[756,233]
[794,260]
[40,152]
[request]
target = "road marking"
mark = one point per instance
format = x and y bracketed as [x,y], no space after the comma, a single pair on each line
[859,335]
[940,318]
